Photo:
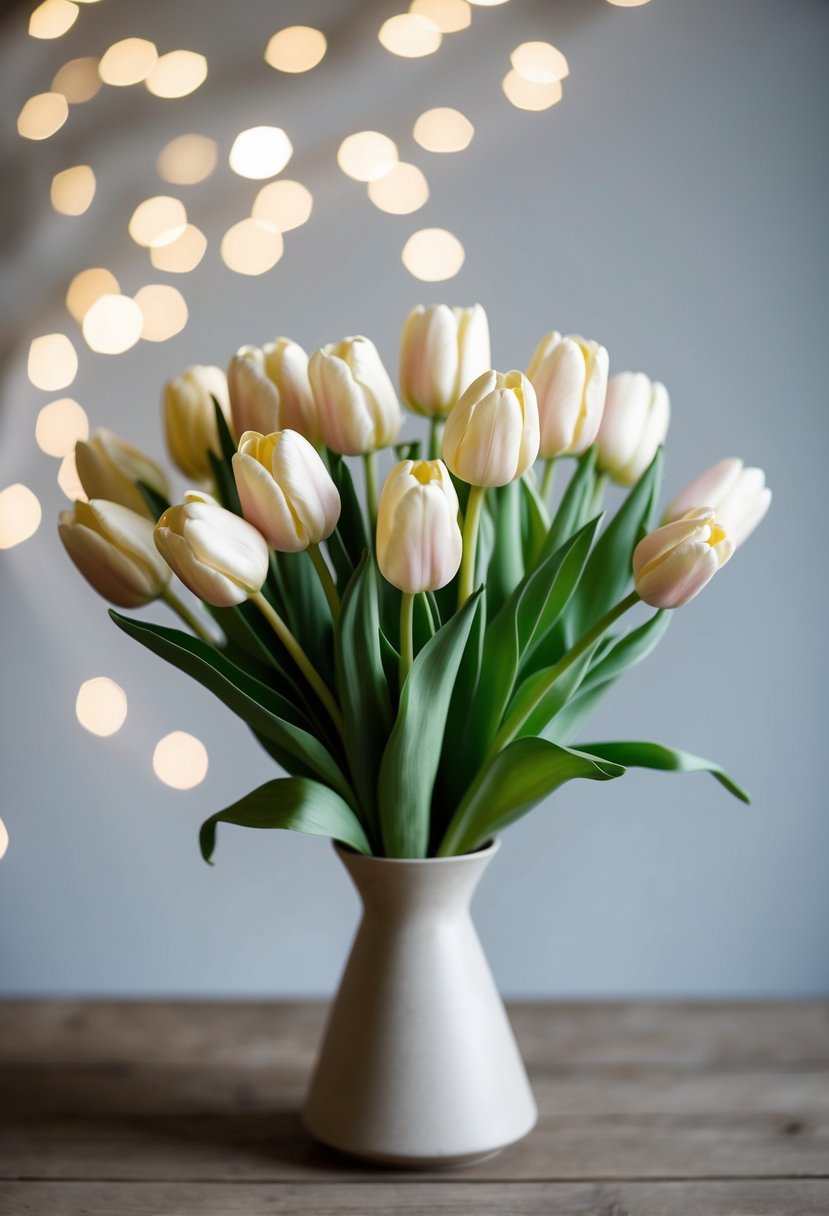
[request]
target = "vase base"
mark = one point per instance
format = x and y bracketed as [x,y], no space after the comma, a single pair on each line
[408,1162]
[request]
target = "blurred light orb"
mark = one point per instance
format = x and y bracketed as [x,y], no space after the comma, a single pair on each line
[20,515]
[53,18]
[251,247]
[433,254]
[443,130]
[78,80]
[4,840]
[68,479]
[73,190]
[298,48]
[59,426]
[487,3]
[177,74]
[158,220]
[401,191]
[284,203]
[128,62]
[112,324]
[101,706]
[180,760]
[53,362]
[86,287]
[410,36]
[42,116]
[448,16]
[527,94]
[540,62]
[260,152]
[187,160]
[627,3]
[367,155]
[182,254]
[164,310]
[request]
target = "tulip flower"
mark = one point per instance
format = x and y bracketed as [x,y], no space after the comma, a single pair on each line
[491,436]
[418,538]
[442,350]
[356,403]
[113,548]
[673,564]
[634,424]
[285,490]
[190,419]
[254,398]
[109,467]
[569,376]
[220,557]
[286,365]
[739,496]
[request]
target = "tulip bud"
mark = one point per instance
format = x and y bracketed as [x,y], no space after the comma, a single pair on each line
[220,557]
[285,490]
[254,400]
[739,496]
[419,544]
[491,436]
[190,418]
[113,548]
[442,350]
[356,404]
[109,467]
[569,376]
[672,564]
[286,364]
[634,424]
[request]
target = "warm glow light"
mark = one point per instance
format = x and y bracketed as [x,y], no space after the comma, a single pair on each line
[87,287]
[181,255]
[627,3]
[59,427]
[78,80]
[20,515]
[448,16]
[296,49]
[42,115]
[53,363]
[285,204]
[164,310]
[487,3]
[367,155]
[128,62]
[188,159]
[443,130]
[251,247]
[113,324]
[68,479]
[177,73]
[410,36]
[527,94]
[260,152]
[400,191]
[158,220]
[180,760]
[73,190]
[53,18]
[540,62]
[433,254]
[4,840]
[101,706]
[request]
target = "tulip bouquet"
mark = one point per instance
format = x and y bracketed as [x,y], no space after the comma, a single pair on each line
[419,662]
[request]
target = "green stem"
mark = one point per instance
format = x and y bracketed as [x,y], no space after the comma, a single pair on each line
[548,478]
[470,542]
[406,635]
[190,619]
[326,581]
[300,658]
[370,466]
[436,426]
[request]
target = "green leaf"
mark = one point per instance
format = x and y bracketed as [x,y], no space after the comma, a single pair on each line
[408,451]
[460,758]
[294,803]
[410,761]
[349,539]
[535,521]
[627,651]
[526,771]
[574,508]
[654,755]
[156,503]
[544,694]
[226,491]
[226,442]
[305,609]
[506,566]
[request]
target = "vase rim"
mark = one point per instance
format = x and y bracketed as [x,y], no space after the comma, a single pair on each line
[487,850]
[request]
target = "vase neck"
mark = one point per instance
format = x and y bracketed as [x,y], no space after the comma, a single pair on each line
[417,888]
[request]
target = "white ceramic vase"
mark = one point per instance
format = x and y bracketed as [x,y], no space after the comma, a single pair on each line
[419,1065]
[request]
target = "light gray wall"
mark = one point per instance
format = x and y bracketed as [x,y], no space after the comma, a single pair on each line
[673,206]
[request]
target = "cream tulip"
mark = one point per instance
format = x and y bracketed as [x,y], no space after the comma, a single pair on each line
[442,350]
[356,403]
[113,548]
[220,557]
[673,564]
[569,376]
[254,398]
[491,436]
[190,418]
[109,467]
[419,543]
[739,496]
[634,424]
[285,490]
[286,365]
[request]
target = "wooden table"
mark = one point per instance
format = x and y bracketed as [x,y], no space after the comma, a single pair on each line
[172,1108]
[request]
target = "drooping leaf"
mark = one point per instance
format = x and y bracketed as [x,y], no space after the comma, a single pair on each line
[574,509]
[637,754]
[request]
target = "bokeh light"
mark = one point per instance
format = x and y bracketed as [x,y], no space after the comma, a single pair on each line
[85,289]
[260,152]
[400,191]
[112,324]
[128,62]
[527,94]
[78,80]
[298,48]
[449,16]
[410,36]
[367,155]
[180,760]
[187,159]
[433,254]
[540,62]
[101,706]
[627,3]
[20,515]
[68,479]
[59,426]
[443,130]
[73,190]
[182,254]
[4,840]
[285,204]
[487,3]
[53,362]
[42,116]
[177,74]
[251,247]
[158,220]
[164,310]
[53,18]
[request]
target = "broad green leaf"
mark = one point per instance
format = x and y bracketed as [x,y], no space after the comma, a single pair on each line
[294,803]
[225,486]
[350,538]
[535,521]
[574,508]
[627,651]
[544,694]
[411,758]
[460,757]
[636,754]
[156,502]
[305,609]
[506,566]
[226,442]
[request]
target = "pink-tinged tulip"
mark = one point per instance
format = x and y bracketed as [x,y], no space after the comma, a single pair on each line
[190,419]
[569,376]
[491,436]
[634,424]
[285,490]
[673,564]
[739,496]
[108,467]
[220,557]
[356,404]
[442,350]
[113,548]
[419,543]
[254,399]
